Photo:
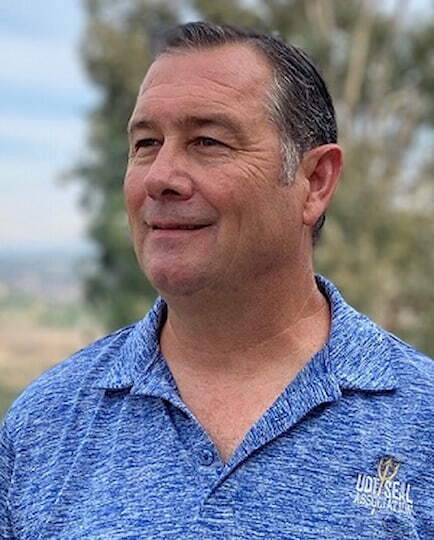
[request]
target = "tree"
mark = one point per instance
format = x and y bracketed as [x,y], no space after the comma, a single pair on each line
[376,240]
[116,53]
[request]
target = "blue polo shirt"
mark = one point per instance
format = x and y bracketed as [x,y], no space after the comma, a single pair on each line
[102,447]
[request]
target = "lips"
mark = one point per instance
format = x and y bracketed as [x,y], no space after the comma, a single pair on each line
[177,226]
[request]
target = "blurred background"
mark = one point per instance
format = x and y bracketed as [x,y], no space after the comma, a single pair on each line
[69,75]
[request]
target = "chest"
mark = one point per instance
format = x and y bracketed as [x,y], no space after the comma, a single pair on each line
[145,470]
[227,417]
[226,427]
[277,495]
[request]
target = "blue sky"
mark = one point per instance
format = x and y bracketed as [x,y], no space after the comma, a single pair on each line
[44,97]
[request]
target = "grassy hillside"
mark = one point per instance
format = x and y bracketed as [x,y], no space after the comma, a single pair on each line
[34,336]
[42,316]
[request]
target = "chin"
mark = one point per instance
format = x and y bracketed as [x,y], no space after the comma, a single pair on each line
[170,283]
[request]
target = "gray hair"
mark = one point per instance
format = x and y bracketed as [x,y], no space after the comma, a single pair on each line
[298,101]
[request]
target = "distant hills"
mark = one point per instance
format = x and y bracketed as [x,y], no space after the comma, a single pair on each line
[48,273]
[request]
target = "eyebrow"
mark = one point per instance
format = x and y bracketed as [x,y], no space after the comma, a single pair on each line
[212,119]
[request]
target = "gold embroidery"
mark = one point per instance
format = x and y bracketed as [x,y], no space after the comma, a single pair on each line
[387,470]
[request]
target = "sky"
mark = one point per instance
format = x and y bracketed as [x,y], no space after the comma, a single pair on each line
[44,99]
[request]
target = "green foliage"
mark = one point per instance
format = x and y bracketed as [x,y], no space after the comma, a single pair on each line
[116,54]
[379,67]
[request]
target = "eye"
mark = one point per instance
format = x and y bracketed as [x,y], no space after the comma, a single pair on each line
[208,141]
[146,143]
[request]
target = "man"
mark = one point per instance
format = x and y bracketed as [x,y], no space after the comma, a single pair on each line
[251,402]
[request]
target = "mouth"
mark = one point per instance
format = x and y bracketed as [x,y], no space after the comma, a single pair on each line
[177,227]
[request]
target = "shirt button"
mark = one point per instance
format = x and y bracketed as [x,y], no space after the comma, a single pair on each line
[206,457]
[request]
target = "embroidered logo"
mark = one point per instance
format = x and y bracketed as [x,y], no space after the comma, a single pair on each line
[384,492]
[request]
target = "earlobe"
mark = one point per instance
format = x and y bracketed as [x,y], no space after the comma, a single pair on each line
[321,168]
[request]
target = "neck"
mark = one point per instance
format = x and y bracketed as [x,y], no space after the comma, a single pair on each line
[236,331]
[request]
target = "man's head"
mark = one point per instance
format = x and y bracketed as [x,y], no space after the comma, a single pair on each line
[298,99]
[204,190]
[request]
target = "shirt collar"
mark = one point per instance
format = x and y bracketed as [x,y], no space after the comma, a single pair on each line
[136,358]
[357,353]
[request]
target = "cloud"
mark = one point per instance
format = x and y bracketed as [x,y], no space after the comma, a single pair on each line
[60,138]
[48,217]
[34,208]
[43,96]
[47,67]
[37,208]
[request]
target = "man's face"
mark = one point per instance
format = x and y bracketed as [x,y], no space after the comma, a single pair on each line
[205,200]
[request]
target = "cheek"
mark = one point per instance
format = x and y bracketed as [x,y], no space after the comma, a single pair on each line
[134,192]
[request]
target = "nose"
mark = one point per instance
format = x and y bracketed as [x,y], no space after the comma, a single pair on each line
[168,176]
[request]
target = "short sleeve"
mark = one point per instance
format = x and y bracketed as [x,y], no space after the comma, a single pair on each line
[6,467]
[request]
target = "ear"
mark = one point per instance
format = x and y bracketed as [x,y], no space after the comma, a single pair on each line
[321,169]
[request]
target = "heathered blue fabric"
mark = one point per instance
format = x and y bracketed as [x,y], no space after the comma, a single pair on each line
[102,447]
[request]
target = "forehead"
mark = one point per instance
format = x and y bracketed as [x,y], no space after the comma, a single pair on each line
[237,64]
[227,76]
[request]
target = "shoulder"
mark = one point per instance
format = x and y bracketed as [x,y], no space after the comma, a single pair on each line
[368,357]
[71,392]
[54,389]
[413,369]
[410,406]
